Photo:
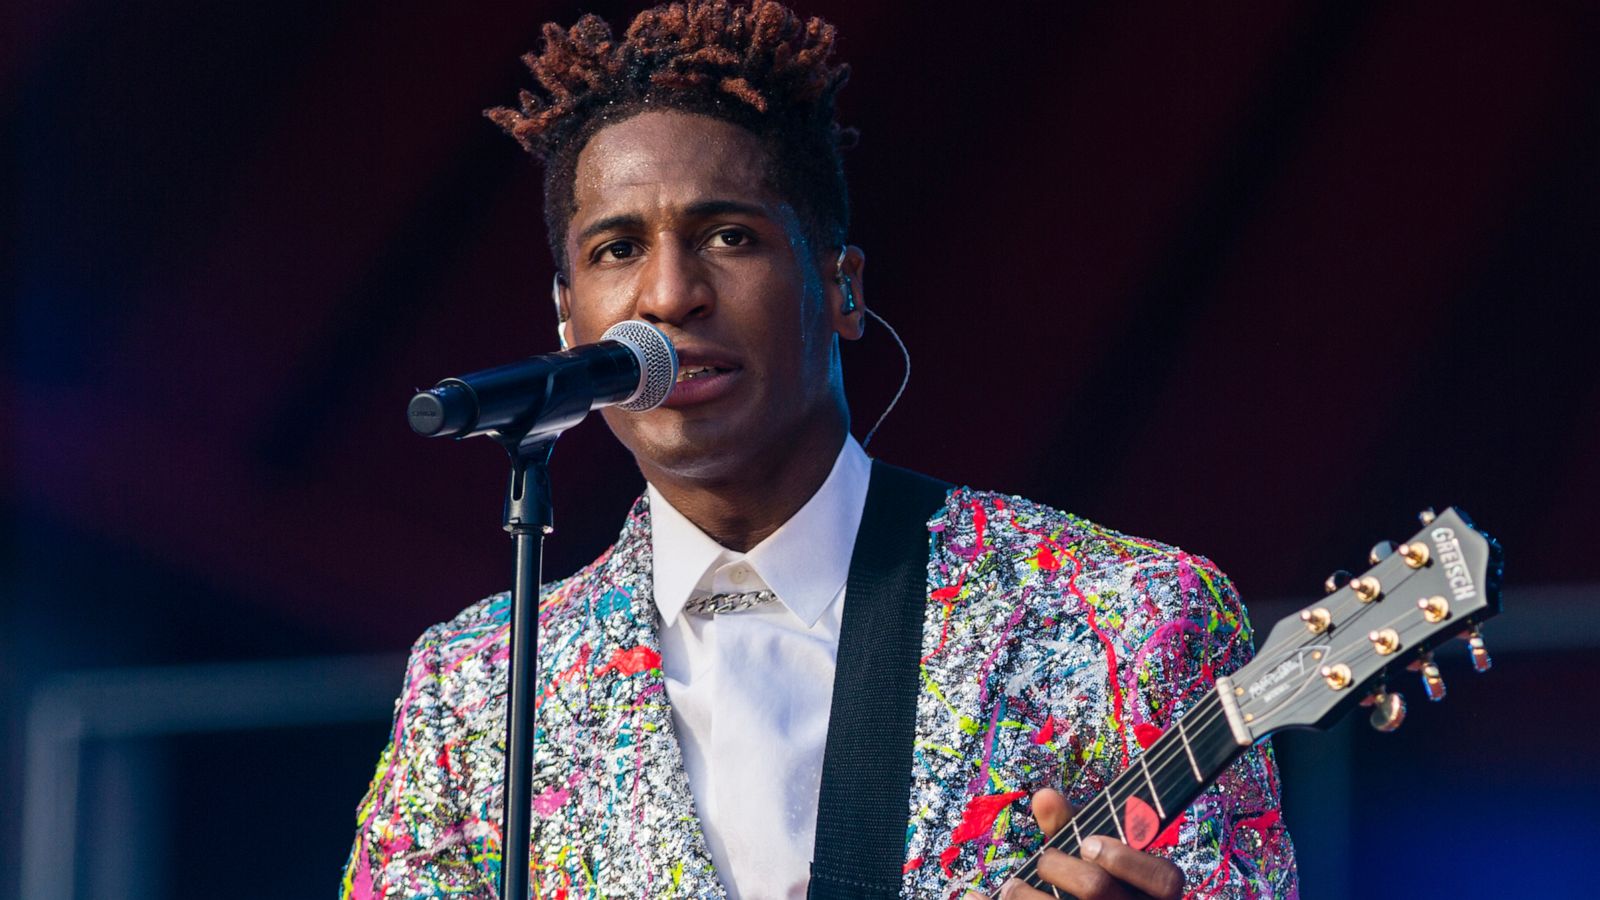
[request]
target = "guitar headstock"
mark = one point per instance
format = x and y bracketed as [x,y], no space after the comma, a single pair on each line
[1348,646]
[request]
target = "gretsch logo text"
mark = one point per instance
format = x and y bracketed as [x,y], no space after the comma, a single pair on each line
[1455,567]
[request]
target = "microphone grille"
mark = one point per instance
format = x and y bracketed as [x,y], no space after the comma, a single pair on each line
[658,362]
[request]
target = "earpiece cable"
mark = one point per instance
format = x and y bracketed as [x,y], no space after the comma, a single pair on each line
[904,380]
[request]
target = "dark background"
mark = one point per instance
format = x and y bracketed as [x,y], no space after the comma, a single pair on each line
[1258,279]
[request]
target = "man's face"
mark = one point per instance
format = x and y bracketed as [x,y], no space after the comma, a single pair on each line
[677,225]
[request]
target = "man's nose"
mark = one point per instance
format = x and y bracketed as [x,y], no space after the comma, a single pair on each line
[673,287]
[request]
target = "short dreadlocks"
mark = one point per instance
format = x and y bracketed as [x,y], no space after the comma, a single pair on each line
[757,66]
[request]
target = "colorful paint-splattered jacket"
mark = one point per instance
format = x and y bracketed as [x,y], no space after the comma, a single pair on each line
[1053,650]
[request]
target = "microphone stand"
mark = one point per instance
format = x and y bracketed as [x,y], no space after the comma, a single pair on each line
[528,517]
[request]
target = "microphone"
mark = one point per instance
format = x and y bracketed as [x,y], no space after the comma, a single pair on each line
[633,366]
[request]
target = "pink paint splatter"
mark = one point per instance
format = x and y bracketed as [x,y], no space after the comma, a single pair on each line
[549,800]
[361,884]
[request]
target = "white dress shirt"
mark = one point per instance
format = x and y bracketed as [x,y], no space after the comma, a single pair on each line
[751,690]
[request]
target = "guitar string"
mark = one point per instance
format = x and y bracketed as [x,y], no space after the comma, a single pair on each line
[1098,816]
[1205,715]
[1100,811]
[1104,812]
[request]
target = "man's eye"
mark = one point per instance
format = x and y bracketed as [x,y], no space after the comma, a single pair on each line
[730,238]
[618,250]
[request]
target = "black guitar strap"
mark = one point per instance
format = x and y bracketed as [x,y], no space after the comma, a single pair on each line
[866,763]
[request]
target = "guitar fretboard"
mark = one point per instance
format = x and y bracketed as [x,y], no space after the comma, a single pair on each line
[1151,792]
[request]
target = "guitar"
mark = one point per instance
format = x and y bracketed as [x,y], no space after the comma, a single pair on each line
[1312,669]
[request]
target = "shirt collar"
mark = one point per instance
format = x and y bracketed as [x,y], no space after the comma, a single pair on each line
[805,562]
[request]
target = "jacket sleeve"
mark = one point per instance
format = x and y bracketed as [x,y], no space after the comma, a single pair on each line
[1231,842]
[410,838]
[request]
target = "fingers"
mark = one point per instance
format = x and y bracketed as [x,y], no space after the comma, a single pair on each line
[1153,875]
[1108,869]
[1080,878]
[1050,810]
[1113,871]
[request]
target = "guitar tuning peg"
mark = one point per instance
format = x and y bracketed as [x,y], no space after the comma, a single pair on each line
[1381,551]
[1317,620]
[1432,681]
[1480,654]
[1427,516]
[1337,580]
[1367,588]
[1415,554]
[1434,609]
[1388,709]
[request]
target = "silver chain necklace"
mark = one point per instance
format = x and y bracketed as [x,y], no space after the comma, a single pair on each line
[711,604]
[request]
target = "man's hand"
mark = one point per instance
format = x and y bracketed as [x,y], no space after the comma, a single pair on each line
[1109,869]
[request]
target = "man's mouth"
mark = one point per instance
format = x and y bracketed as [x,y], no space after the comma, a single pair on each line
[702,378]
[690,373]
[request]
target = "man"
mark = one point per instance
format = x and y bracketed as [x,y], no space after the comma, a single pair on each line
[687,676]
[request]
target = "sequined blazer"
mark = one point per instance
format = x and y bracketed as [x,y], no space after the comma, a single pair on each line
[1053,651]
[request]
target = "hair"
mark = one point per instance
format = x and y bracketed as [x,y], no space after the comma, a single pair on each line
[755,66]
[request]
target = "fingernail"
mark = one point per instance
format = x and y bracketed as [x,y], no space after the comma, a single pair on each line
[1090,848]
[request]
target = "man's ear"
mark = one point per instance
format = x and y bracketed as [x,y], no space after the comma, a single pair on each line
[558,296]
[845,292]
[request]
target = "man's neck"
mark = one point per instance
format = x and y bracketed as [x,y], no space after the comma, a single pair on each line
[740,510]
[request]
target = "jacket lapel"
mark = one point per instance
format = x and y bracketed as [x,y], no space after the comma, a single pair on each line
[634,813]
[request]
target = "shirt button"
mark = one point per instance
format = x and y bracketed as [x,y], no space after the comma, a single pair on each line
[739,575]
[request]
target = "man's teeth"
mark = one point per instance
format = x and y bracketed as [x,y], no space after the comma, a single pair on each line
[695,372]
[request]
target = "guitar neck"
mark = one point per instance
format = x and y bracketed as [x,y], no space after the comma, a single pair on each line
[1314,666]
[1153,791]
